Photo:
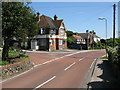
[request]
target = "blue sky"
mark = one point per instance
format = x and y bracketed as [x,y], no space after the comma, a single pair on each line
[80,16]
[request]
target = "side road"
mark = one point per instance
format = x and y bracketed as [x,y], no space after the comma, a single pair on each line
[102,76]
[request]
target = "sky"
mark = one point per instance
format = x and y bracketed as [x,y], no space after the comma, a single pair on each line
[81,16]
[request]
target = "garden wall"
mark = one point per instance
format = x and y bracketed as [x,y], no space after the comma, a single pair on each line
[12,69]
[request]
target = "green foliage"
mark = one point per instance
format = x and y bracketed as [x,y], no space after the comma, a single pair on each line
[114,55]
[104,58]
[110,42]
[4,62]
[69,33]
[14,53]
[69,40]
[18,21]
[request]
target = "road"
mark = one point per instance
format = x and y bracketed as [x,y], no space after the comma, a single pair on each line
[62,71]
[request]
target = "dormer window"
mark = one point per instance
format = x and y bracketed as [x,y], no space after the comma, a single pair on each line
[53,31]
[42,31]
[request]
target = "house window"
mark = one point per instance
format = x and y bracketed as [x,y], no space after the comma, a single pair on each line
[51,42]
[60,42]
[53,31]
[62,32]
[43,42]
[42,31]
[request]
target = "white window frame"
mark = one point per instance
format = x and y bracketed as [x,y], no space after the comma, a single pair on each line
[60,42]
[51,42]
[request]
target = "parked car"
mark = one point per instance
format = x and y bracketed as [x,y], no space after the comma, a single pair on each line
[75,46]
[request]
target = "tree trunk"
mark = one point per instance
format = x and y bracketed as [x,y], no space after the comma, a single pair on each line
[5,50]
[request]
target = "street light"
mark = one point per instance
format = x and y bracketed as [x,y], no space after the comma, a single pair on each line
[102,18]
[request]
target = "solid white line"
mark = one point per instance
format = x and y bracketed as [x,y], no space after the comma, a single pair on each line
[16,75]
[44,82]
[69,66]
[92,63]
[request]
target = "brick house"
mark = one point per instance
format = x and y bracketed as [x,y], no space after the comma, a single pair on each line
[51,36]
[77,39]
[88,38]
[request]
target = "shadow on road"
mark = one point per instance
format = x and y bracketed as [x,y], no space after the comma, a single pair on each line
[105,78]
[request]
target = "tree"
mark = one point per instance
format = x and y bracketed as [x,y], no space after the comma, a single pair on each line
[69,34]
[18,21]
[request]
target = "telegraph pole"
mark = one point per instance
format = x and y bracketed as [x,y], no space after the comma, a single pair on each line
[114,9]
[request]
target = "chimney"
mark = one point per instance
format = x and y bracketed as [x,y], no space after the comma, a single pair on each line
[55,17]
[87,31]
[38,14]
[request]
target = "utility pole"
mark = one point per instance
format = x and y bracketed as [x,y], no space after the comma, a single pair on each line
[114,9]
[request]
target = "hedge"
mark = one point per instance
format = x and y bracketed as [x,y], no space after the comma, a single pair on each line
[114,56]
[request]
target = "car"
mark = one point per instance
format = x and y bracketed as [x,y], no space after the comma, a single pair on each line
[75,46]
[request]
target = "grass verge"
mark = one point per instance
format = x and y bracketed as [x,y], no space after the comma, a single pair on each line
[104,57]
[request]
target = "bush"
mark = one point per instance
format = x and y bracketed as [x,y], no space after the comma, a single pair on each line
[113,56]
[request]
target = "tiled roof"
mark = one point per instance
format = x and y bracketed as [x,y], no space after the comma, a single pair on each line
[84,35]
[96,36]
[77,37]
[47,22]
[57,23]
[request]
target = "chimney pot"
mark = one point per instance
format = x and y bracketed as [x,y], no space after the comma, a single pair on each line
[38,14]
[55,17]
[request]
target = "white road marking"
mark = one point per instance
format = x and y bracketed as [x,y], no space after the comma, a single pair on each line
[44,82]
[16,75]
[69,66]
[92,63]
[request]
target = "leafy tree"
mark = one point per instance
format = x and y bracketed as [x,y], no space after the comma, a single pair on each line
[110,42]
[18,21]
[69,40]
[69,34]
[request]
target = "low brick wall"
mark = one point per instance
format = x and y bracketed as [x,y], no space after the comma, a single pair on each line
[12,69]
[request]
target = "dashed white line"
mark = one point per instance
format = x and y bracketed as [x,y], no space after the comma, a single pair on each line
[44,82]
[69,66]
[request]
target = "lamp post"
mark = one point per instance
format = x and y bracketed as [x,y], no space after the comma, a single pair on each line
[102,18]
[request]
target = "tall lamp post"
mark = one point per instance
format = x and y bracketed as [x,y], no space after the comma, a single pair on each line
[102,18]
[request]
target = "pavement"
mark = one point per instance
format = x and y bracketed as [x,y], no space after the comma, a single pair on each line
[103,76]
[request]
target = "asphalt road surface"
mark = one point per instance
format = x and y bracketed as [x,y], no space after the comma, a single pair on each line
[64,71]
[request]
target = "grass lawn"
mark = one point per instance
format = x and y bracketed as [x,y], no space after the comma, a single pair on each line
[14,60]
[0,53]
[14,53]
[104,57]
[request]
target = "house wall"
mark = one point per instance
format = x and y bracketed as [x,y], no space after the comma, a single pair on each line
[52,44]
[62,44]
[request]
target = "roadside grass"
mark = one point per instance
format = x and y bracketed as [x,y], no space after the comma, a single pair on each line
[0,53]
[13,53]
[14,58]
[2,63]
[104,57]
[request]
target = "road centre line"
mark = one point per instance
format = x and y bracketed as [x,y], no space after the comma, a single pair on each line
[44,82]
[56,59]
[69,66]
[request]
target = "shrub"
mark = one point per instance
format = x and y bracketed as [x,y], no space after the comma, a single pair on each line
[113,56]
